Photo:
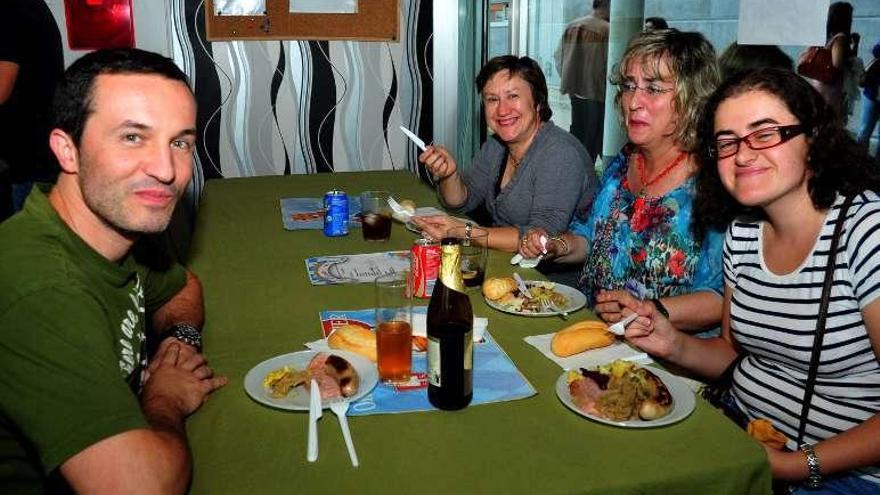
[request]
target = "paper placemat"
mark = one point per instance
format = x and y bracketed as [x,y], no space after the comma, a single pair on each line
[308,213]
[355,268]
[591,358]
[496,378]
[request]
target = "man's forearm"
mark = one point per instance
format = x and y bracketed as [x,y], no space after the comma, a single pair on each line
[185,307]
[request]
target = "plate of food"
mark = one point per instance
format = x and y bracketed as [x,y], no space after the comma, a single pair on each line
[283,381]
[547,298]
[624,394]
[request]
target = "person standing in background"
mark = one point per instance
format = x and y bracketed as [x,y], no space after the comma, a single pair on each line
[870,83]
[738,58]
[31,64]
[852,75]
[838,39]
[655,23]
[581,60]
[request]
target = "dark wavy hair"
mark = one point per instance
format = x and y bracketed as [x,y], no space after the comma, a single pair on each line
[838,164]
[528,70]
[72,103]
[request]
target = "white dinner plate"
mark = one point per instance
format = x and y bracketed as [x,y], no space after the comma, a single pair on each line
[576,301]
[298,398]
[683,402]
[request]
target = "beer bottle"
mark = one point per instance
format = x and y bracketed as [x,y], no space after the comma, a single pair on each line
[450,323]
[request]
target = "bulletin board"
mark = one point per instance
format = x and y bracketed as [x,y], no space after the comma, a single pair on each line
[375,20]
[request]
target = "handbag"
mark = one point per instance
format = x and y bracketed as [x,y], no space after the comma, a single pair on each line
[816,63]
[820,321]
[718,392]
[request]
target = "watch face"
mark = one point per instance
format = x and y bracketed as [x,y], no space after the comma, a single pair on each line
[188,335]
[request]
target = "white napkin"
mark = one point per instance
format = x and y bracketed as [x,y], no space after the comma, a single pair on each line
[591,358]
[420,326]
[424,211]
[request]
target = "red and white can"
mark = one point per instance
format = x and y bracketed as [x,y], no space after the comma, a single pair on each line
[425,266]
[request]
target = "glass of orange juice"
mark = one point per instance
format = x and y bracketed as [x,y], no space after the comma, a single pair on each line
[394,327]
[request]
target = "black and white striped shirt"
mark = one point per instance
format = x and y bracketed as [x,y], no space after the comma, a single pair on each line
[773,317]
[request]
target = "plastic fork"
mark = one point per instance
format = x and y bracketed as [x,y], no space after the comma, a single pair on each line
[549,305]
[619,328]
[339,406]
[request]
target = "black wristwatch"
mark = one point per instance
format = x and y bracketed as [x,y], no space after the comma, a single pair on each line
[187,334]
[660,308]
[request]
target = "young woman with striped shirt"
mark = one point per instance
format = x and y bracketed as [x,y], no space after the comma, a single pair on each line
[777,169]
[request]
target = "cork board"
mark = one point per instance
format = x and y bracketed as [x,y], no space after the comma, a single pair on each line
[376,20]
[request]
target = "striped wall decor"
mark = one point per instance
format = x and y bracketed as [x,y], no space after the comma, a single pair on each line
[295,106]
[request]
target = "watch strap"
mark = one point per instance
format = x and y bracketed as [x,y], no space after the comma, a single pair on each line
[660,308]
[187,334]
[814,479]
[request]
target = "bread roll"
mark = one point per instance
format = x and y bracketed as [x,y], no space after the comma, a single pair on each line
[580,337]
[763,431]
[355,339]
[496,288]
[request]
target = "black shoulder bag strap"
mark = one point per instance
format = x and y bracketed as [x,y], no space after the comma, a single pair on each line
[823,313]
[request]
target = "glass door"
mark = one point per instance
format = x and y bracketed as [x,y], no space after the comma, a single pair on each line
[545,22]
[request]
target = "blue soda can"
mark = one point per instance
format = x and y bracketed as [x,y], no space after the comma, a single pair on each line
[335,213]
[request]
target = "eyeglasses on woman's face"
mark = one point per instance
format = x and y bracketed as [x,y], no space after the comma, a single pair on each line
[761,139]
[652,90]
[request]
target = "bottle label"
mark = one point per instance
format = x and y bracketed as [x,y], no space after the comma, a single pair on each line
[469,350]
[434,361]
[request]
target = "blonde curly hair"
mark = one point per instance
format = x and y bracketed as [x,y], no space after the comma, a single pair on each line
[690,59]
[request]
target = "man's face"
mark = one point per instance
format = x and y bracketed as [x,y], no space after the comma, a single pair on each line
[135,154]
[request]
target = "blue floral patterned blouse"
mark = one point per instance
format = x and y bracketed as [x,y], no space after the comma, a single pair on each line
[645,245]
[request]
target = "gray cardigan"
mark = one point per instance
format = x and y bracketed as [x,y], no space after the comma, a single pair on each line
[555,177]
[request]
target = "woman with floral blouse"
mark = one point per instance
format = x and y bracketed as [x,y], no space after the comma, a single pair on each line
[636,243]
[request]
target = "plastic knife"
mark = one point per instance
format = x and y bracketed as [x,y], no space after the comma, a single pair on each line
[315,412]
[415,139]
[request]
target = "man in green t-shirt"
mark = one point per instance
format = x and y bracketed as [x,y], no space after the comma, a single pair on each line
[80,406]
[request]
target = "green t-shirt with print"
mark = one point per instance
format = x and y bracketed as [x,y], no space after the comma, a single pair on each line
[72,342]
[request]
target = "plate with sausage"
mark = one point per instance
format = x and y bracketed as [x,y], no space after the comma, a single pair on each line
[626,395]
[282,381]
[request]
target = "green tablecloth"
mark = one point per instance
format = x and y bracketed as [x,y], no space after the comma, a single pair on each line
[259,304]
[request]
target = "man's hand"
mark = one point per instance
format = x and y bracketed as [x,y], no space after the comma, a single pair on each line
[155,459]
[179,381]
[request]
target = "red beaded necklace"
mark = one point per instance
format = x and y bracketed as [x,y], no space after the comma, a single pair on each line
[640,167]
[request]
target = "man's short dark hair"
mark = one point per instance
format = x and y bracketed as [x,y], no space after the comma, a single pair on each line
[528,70]
[72,103]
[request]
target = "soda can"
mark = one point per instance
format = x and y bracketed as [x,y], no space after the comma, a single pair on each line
[335,213]
[425,266]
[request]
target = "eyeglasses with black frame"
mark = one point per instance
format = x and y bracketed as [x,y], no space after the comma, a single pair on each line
[761,139]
